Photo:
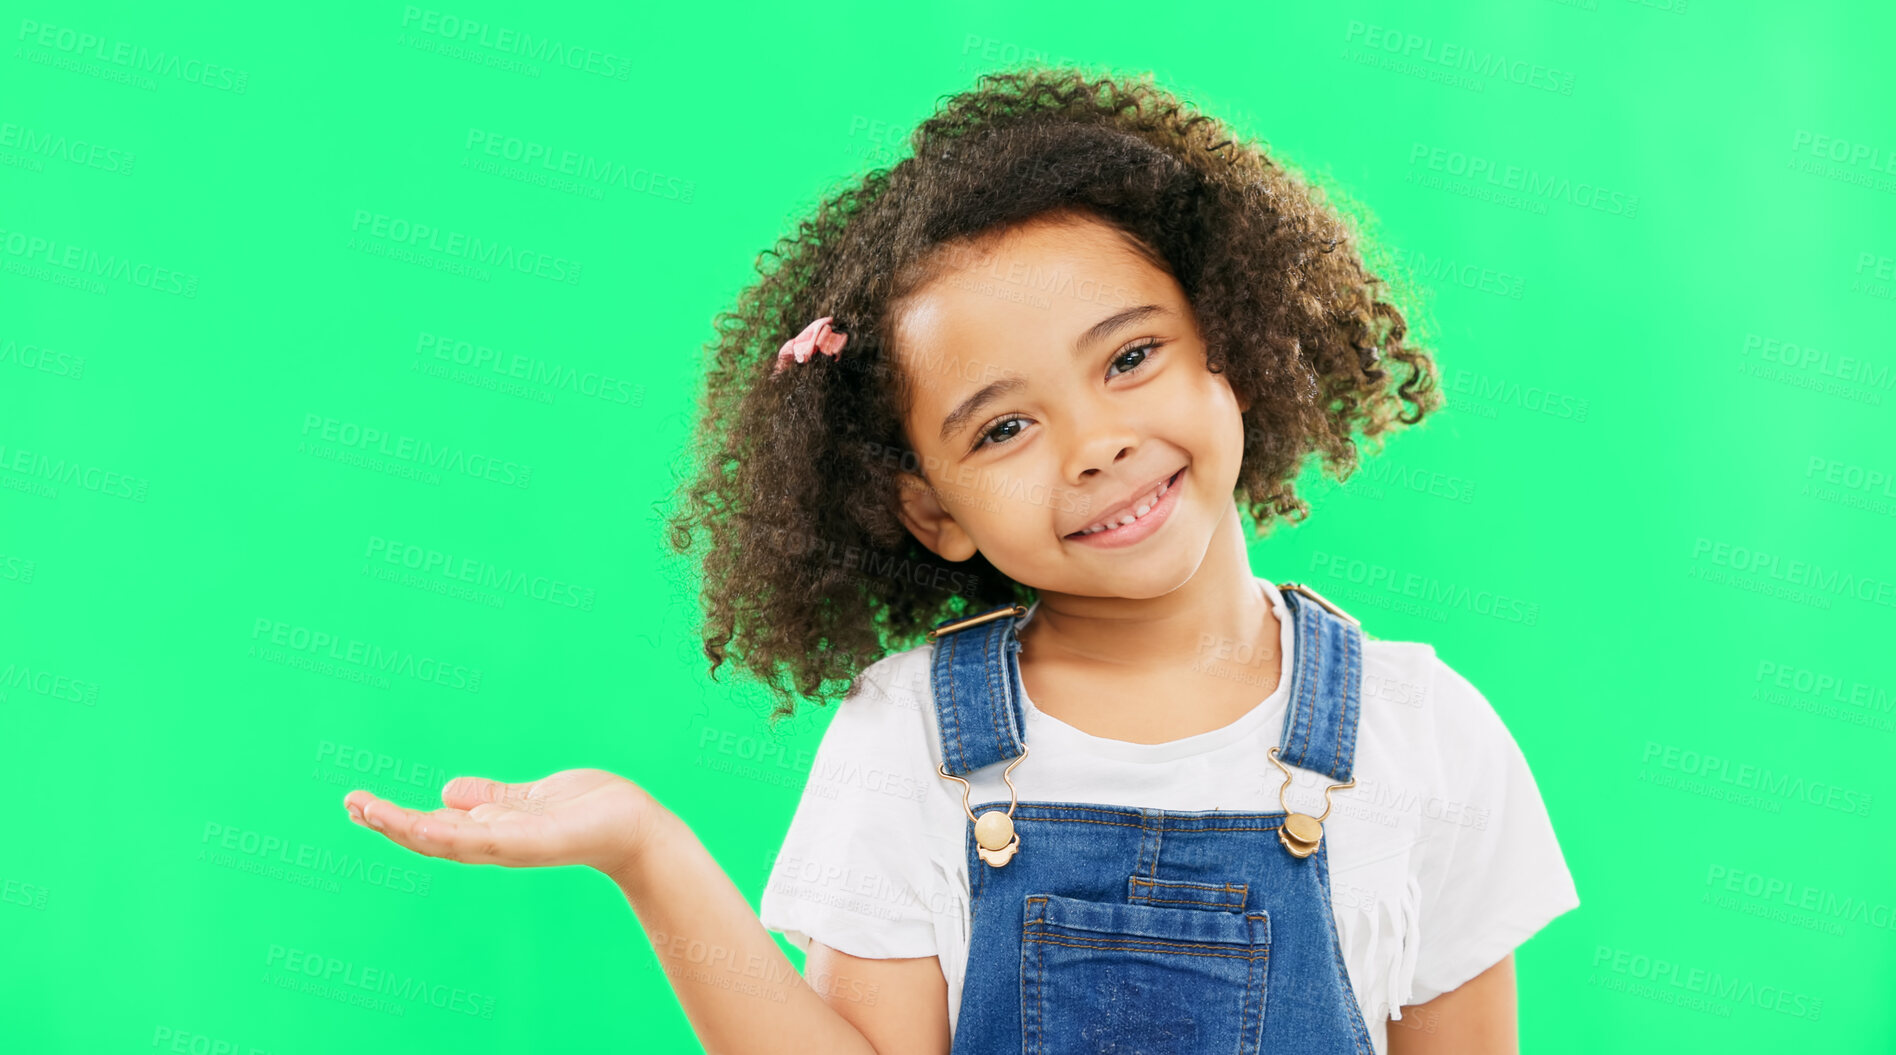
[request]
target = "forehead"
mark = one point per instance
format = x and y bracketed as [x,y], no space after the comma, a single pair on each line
[1016,299]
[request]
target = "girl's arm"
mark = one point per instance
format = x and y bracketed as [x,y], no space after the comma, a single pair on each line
[901,1005]
[739,991]
[1477,1018]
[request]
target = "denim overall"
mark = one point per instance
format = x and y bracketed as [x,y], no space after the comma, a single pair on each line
[1160,932]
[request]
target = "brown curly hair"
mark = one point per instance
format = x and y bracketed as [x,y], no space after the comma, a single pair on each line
[809,575]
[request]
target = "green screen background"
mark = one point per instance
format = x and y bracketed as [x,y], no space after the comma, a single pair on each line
[1667,446]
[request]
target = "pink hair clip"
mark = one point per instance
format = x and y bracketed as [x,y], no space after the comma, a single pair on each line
[816,337]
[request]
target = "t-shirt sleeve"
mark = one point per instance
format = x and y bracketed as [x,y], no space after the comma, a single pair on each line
[853,871]
[1490,869]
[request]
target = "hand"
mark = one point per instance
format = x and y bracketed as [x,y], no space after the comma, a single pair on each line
[576,816]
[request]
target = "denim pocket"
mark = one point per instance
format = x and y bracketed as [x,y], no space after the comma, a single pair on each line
[1099,976]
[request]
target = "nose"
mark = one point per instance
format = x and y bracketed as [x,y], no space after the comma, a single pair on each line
[1103,439]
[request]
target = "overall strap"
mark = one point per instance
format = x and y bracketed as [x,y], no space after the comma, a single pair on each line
[977,689]
[1325,686]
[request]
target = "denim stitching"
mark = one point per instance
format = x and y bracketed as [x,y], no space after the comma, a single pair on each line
[995,646]
[1343,716]
[1242,890]
[1040,978]
[1030,811]
[988,701]
[1336,950]
[995,671]
[1117,824]
[1223,888]
[1250,1042]
[1017,722]
[1154,823]
[1264,997]
[1244,1015]
[1164,948]
[1314,685]
[1299,715]
[1038,1030]
[954,709]
[1352,705]
[1150,900]
[1307,669]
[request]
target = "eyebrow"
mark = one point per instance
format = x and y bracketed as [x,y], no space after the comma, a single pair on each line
[969,407]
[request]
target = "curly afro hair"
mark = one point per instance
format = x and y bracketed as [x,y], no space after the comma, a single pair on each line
[809,576]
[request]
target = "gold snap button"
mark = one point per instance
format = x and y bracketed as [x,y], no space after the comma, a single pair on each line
[1300,834]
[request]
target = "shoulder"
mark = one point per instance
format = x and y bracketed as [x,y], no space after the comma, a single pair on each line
[881,731]
[1441,750]
[890,698]
[1397,673]
[870,775]
[1409,686]
[1430,740]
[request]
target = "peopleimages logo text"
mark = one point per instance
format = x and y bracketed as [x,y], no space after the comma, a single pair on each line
[475,33]
[372,440]
[322,643]
[80,43]
[1531,182]
[400,231]
[1461,57]
[1832,581]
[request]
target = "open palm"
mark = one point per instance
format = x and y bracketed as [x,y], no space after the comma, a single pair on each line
[576,816]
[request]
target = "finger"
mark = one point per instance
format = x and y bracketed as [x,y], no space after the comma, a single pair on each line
[445,833]
[355,802]
[465,793]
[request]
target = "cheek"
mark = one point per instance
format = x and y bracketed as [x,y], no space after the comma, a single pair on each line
[1001,505]
[1219,410]
[1222,422]
[1000,495]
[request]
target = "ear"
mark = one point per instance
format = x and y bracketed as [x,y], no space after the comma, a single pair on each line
[931,524]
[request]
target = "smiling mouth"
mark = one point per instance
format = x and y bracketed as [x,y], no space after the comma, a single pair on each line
[1139,511]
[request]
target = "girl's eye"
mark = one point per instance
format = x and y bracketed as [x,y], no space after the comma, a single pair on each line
[988,436]
[1143,352]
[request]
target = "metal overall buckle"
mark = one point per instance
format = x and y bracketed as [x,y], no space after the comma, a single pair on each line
[1301,833]
[994,836]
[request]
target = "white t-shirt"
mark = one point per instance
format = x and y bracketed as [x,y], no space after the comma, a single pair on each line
[1442,857]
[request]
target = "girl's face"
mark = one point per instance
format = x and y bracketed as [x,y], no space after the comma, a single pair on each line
[1059,382]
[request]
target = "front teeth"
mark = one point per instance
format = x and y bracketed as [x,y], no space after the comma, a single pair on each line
[1126,518]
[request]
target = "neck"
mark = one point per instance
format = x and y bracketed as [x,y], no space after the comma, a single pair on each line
[1220,604]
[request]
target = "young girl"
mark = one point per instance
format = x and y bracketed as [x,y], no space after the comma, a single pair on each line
[979,446]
